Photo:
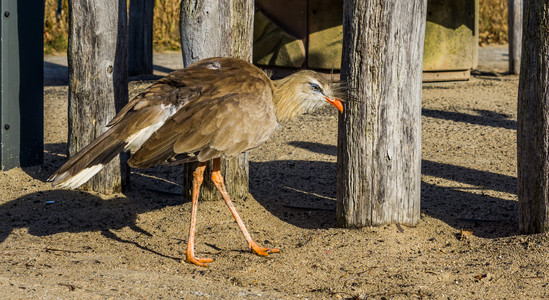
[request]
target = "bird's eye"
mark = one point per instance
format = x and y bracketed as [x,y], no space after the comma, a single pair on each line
[315,87]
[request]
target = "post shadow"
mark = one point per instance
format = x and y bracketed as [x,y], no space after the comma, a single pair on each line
[55,74]
[486,118]
[303,194]
[488,216]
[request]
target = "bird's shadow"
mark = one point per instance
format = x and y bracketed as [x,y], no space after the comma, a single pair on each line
[46,213]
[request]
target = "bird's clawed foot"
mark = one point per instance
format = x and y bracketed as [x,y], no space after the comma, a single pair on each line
[262,250]
[202,262]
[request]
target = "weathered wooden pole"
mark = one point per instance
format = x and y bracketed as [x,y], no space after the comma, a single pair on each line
[217,28]
[379,142]
[533,120]
[140,50]
[98,80]
[514,28]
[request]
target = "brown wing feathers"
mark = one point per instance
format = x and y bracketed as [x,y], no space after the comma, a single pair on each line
[216,107]
[228,118]
[127,131]
[119,137]
[224,126]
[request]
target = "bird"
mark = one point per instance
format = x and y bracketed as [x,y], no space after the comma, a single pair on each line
[215,108]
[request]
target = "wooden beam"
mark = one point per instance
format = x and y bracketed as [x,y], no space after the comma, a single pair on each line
[446,76]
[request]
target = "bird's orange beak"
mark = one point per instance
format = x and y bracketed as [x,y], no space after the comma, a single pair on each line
[335,102]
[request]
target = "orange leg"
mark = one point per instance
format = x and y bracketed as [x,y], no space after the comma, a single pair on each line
[219,183]
[198,177]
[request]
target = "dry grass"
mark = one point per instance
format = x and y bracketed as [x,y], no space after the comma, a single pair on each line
[56,27]
[493,24]
[165,26]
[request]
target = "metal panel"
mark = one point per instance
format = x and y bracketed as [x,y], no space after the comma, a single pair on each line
[21,84]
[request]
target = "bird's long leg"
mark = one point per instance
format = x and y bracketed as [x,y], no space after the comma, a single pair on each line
[219,183]
[198,177]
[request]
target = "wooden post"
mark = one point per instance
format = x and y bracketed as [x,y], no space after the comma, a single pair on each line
[379,142]
[514,29]
[475,40]
[533,123]
[140,37]
[98,80]
[217,28]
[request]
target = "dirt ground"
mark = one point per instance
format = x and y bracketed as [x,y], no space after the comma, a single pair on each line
[71,244]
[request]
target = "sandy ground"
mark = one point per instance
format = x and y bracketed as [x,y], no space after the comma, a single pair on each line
[70,244]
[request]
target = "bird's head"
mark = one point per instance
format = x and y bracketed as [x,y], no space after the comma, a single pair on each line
[304,92]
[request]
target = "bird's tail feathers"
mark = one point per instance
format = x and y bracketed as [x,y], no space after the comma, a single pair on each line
[90,160]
